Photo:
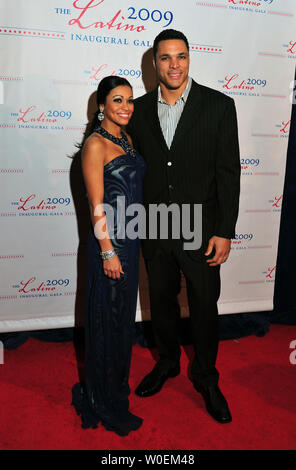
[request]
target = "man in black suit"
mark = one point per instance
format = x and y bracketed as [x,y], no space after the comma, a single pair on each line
[187,134]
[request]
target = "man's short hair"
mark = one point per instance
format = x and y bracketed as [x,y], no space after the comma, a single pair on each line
[166,35]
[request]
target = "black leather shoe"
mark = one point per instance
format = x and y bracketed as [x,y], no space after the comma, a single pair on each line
[153,382]
[216,403]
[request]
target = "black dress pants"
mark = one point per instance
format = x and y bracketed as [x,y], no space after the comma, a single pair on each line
[203,290]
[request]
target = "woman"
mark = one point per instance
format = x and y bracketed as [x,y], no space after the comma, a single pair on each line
[111,169]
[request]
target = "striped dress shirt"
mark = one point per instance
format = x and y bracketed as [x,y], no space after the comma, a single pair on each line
[169,115]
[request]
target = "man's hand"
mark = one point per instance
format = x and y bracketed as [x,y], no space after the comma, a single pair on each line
[222,249]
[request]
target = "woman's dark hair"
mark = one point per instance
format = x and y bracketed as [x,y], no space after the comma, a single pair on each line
[167,34]
[105,86]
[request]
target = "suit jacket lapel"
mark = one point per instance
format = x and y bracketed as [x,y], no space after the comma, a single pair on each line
[193,103]
[192,106]
[153,121]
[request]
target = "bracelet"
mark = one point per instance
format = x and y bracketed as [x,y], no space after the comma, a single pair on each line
[108,254]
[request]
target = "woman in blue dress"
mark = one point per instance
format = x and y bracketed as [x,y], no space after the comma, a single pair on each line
[113,171]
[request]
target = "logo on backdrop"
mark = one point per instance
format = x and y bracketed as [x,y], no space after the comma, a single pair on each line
[97,73]
[284,51]
[33,205]
[269,274]
[291,48]
[271,205]
[255,166]
[246,241]
[34,287]
[241,241]
[249,165]
[32,117]
[282,131]
[284,128]
[250,6]
[276,203]
[236,84]
[89,16]
[266,276]
[250,3]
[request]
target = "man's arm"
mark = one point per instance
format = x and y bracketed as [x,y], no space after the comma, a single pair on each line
[228,171]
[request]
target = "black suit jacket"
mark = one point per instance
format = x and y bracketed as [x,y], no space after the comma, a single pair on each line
[204,160]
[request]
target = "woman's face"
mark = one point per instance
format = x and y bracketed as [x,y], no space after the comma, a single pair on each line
[119,105]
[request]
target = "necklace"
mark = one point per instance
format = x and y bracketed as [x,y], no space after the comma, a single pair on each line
[121,141]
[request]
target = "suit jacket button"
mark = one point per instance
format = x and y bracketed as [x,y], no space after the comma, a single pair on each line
[171,186]
[169,163]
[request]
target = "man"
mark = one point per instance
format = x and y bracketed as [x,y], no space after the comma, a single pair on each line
[187,134]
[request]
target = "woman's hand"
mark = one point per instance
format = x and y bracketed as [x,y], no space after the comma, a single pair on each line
[112,267]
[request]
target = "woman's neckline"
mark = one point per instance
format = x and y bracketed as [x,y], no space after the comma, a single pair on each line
[102,131]
[120,141]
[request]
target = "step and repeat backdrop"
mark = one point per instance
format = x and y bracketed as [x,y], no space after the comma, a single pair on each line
[53,55]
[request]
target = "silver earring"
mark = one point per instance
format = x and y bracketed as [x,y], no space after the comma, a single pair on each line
[101,115]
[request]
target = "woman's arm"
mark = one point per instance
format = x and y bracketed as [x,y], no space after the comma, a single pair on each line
[93,157]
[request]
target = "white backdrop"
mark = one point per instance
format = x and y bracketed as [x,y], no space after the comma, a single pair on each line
[53,55]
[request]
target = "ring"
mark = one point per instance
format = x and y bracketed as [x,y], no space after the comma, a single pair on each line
[224,259]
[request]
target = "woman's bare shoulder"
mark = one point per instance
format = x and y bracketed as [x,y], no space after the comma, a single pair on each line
[94,147]
[94,141]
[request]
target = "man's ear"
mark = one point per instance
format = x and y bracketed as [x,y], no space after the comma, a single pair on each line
[154,63]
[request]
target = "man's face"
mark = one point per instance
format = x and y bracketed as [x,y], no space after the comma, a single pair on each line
[172,63]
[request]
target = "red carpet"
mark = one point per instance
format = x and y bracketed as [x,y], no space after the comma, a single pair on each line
[256,377]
